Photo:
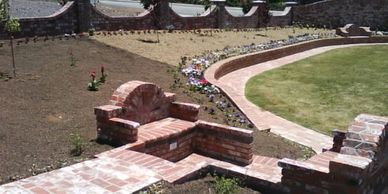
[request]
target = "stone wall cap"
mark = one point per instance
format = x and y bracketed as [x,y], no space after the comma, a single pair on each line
[290,3]
[257,2]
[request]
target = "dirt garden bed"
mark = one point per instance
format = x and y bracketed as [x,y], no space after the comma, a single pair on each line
[208,184]
[178,44]
[48,101]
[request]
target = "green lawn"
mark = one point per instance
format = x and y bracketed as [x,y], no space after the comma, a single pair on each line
[326,91]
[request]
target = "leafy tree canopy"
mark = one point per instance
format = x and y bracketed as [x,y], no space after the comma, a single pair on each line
[3,9]
[12,25]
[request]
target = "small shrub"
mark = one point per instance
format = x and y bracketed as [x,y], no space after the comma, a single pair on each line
[224,185]
[92,31]
[78,144]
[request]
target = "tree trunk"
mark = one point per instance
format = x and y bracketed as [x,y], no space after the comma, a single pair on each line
[13,58]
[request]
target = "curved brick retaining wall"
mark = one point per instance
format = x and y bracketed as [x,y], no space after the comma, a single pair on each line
[239,62]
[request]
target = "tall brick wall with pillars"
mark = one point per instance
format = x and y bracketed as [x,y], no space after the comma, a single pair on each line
[335,13]
[149,120]
[258,16]
[80,16]
[359,166]
[62,21]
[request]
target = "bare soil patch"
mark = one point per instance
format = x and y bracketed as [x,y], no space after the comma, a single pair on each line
[203,185]
[174,45]
[48,101]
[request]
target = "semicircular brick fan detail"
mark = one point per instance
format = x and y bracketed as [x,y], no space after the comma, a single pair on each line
[141,101]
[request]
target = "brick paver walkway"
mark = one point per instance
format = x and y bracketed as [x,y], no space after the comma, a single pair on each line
[233,84]
[124,171]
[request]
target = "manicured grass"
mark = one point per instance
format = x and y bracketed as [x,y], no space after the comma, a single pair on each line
[326,91]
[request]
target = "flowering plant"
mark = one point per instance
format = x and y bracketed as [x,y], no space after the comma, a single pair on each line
[93,84]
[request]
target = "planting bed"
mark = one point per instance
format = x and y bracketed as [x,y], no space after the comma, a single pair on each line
[48,101]
[205,185]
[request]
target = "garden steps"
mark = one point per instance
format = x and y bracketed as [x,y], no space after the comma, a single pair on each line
[262,168]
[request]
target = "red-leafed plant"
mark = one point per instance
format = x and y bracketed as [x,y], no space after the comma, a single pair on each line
[103,74]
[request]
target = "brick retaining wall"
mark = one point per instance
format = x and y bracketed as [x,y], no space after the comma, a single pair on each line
[243,61]
[353,170]
[225,143]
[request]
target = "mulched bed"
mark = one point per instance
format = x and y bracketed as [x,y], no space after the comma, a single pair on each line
[48,101]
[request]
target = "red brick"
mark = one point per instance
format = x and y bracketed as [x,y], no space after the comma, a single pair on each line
[39,190]
[99,182]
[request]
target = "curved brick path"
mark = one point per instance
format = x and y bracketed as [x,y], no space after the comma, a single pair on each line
[233,84]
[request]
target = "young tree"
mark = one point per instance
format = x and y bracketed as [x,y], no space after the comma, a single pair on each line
[11,26]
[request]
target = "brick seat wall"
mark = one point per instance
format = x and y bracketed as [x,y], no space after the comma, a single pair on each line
[149,120]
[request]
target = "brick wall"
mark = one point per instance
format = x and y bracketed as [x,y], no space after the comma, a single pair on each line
[61,22]
[285,19]
[149,120]
[165,148]
[239,62]
[361,166]
[103,22]
[225,143]
[79,16]
[337,13]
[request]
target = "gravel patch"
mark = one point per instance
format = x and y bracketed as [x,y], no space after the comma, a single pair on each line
[33,8]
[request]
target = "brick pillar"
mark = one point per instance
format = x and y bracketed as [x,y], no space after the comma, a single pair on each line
[221,13]
[263,16]
[291,4]
[161,15]
[83,11]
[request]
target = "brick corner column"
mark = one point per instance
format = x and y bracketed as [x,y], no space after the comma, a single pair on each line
[221,12]
[83,11]
[263,9]
[161,15]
